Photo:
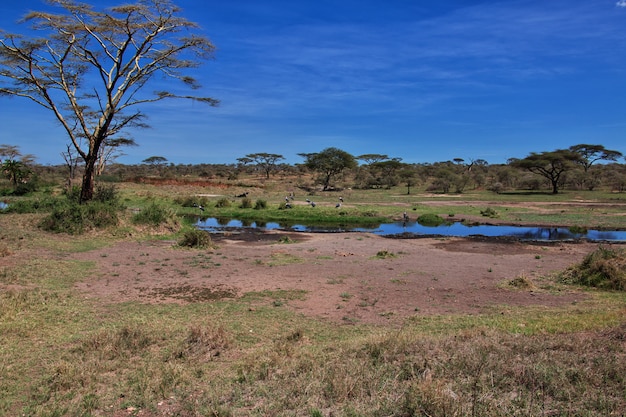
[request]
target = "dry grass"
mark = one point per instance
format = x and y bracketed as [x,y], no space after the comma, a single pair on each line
[62,354]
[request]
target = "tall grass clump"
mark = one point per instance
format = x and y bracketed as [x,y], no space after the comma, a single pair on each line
[260,204]
[604,268]
[192,201]
[246,203]
[153,215]
[67,215]
[195,238]
[222,202]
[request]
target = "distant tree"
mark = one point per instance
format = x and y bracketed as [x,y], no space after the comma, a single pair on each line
[14,165]
[387,171]
[9,152]
[71,162]
[91,69]
[593,153]
[408,177]
[265,161]
[329,163]
[155,161]
[371,158]
[550,165]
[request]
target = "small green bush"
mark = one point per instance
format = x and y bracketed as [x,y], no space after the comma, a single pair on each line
[385,254]
[69,218]
[196,238]
[106,193]
[222,202]
[246,203]
[489,212]
[260,205]
[578,230]
[154,214]
[430,219]
[192,201]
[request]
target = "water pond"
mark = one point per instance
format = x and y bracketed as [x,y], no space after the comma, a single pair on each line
[414,228]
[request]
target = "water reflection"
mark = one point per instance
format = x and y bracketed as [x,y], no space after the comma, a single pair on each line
[451,229]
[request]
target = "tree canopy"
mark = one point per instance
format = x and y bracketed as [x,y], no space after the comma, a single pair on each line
[329,163]
[589,154]
[91,68]
[550,165]
[265,161]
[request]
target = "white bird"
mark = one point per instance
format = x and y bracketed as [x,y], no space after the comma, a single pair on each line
[338,205]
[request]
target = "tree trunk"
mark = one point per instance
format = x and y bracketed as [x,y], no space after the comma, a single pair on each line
[555,186]
[86,192]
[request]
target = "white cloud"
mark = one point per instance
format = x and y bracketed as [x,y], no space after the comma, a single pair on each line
[621,3]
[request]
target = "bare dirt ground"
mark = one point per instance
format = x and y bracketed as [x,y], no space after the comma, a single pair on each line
[340,275]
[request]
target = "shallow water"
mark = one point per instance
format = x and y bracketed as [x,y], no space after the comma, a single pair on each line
[454,229]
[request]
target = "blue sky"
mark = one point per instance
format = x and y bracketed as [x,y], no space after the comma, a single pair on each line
[424,81]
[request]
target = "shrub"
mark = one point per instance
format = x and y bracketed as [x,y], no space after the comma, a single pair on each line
[260,205]
[74,218]
[222,202]
[100,215]
[153,214]
[430,219]
[192,201]
[69,218]
[385,254]
[34,205]
[106,194]
[489,212]
[196,238]
[246,203]
[603,268]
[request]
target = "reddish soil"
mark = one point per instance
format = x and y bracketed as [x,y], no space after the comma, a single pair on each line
[342,277]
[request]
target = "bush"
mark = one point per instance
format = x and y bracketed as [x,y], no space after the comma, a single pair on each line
[196,238]
[153,214]
[245,203]
[192,201]
[69,218]
[603,268]
[430,219]
[74,218]
[106,194]
[260,205]
[489,212]
[222,202]
[39,205]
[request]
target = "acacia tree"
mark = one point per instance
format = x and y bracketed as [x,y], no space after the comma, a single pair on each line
[265,161]
[593,153]
[550,165]
[91,68]
[329,163]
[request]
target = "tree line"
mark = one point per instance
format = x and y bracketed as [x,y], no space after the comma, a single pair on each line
[580,167]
